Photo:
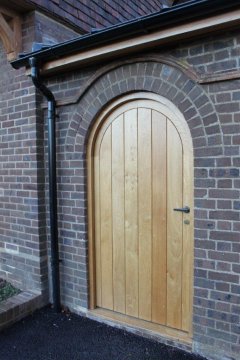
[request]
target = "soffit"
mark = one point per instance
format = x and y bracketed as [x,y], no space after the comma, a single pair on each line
[167,36]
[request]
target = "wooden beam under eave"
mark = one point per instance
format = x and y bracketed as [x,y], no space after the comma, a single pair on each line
[17,30]
[10,32]
[142,42]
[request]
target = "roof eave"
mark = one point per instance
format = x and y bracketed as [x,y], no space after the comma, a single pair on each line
[166,19]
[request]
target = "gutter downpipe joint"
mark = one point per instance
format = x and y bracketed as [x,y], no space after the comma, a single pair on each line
[36,79]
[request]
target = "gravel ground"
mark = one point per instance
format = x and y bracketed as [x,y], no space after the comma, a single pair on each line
[49,336]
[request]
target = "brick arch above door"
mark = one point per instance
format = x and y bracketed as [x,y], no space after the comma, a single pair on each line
[159,78]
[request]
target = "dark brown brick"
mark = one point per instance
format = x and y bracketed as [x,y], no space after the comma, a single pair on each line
[223,256]
[225,236]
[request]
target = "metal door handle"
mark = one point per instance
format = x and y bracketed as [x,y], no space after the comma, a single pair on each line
[185,209]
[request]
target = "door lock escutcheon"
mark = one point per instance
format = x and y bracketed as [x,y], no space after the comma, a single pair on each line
[185,209]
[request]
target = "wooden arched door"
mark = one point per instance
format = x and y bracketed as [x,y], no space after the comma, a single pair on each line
[141,170]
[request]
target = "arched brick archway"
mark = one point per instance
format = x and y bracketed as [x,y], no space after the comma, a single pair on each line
[159,78]
[186,94]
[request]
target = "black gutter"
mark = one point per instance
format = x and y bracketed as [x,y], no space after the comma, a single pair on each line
[169,16]
[52,181]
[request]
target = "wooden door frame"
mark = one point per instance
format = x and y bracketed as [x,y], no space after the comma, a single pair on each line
[172,112]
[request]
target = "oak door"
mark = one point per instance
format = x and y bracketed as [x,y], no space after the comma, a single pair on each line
[142,172]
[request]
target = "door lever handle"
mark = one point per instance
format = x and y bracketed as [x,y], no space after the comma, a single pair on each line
[185,209]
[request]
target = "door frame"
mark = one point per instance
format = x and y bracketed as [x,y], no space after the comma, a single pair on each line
[177,118]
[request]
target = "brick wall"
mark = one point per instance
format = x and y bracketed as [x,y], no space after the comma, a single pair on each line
[98,14]
[23,245]
[21,201]
[212,113]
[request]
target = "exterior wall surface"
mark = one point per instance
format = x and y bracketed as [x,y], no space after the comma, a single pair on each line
[21,200]
[184,75]
[23,244]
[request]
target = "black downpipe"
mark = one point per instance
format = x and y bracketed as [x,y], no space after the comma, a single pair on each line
[52,181]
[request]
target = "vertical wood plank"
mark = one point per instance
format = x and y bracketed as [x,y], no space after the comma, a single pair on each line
[131,212]
[145,213]
[106,219]
[174,227]
[97,232]
[187,269]
[118,215]
[159,198]
[125,204]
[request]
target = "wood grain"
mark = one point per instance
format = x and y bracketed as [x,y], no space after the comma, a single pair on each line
[105,190]
[131,212]
[142,168]
[174,227]
[118,210]
[188,235]
[97,232]
[145,211]
[159,199]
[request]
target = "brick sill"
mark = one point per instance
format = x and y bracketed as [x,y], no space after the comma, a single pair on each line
[18,307]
